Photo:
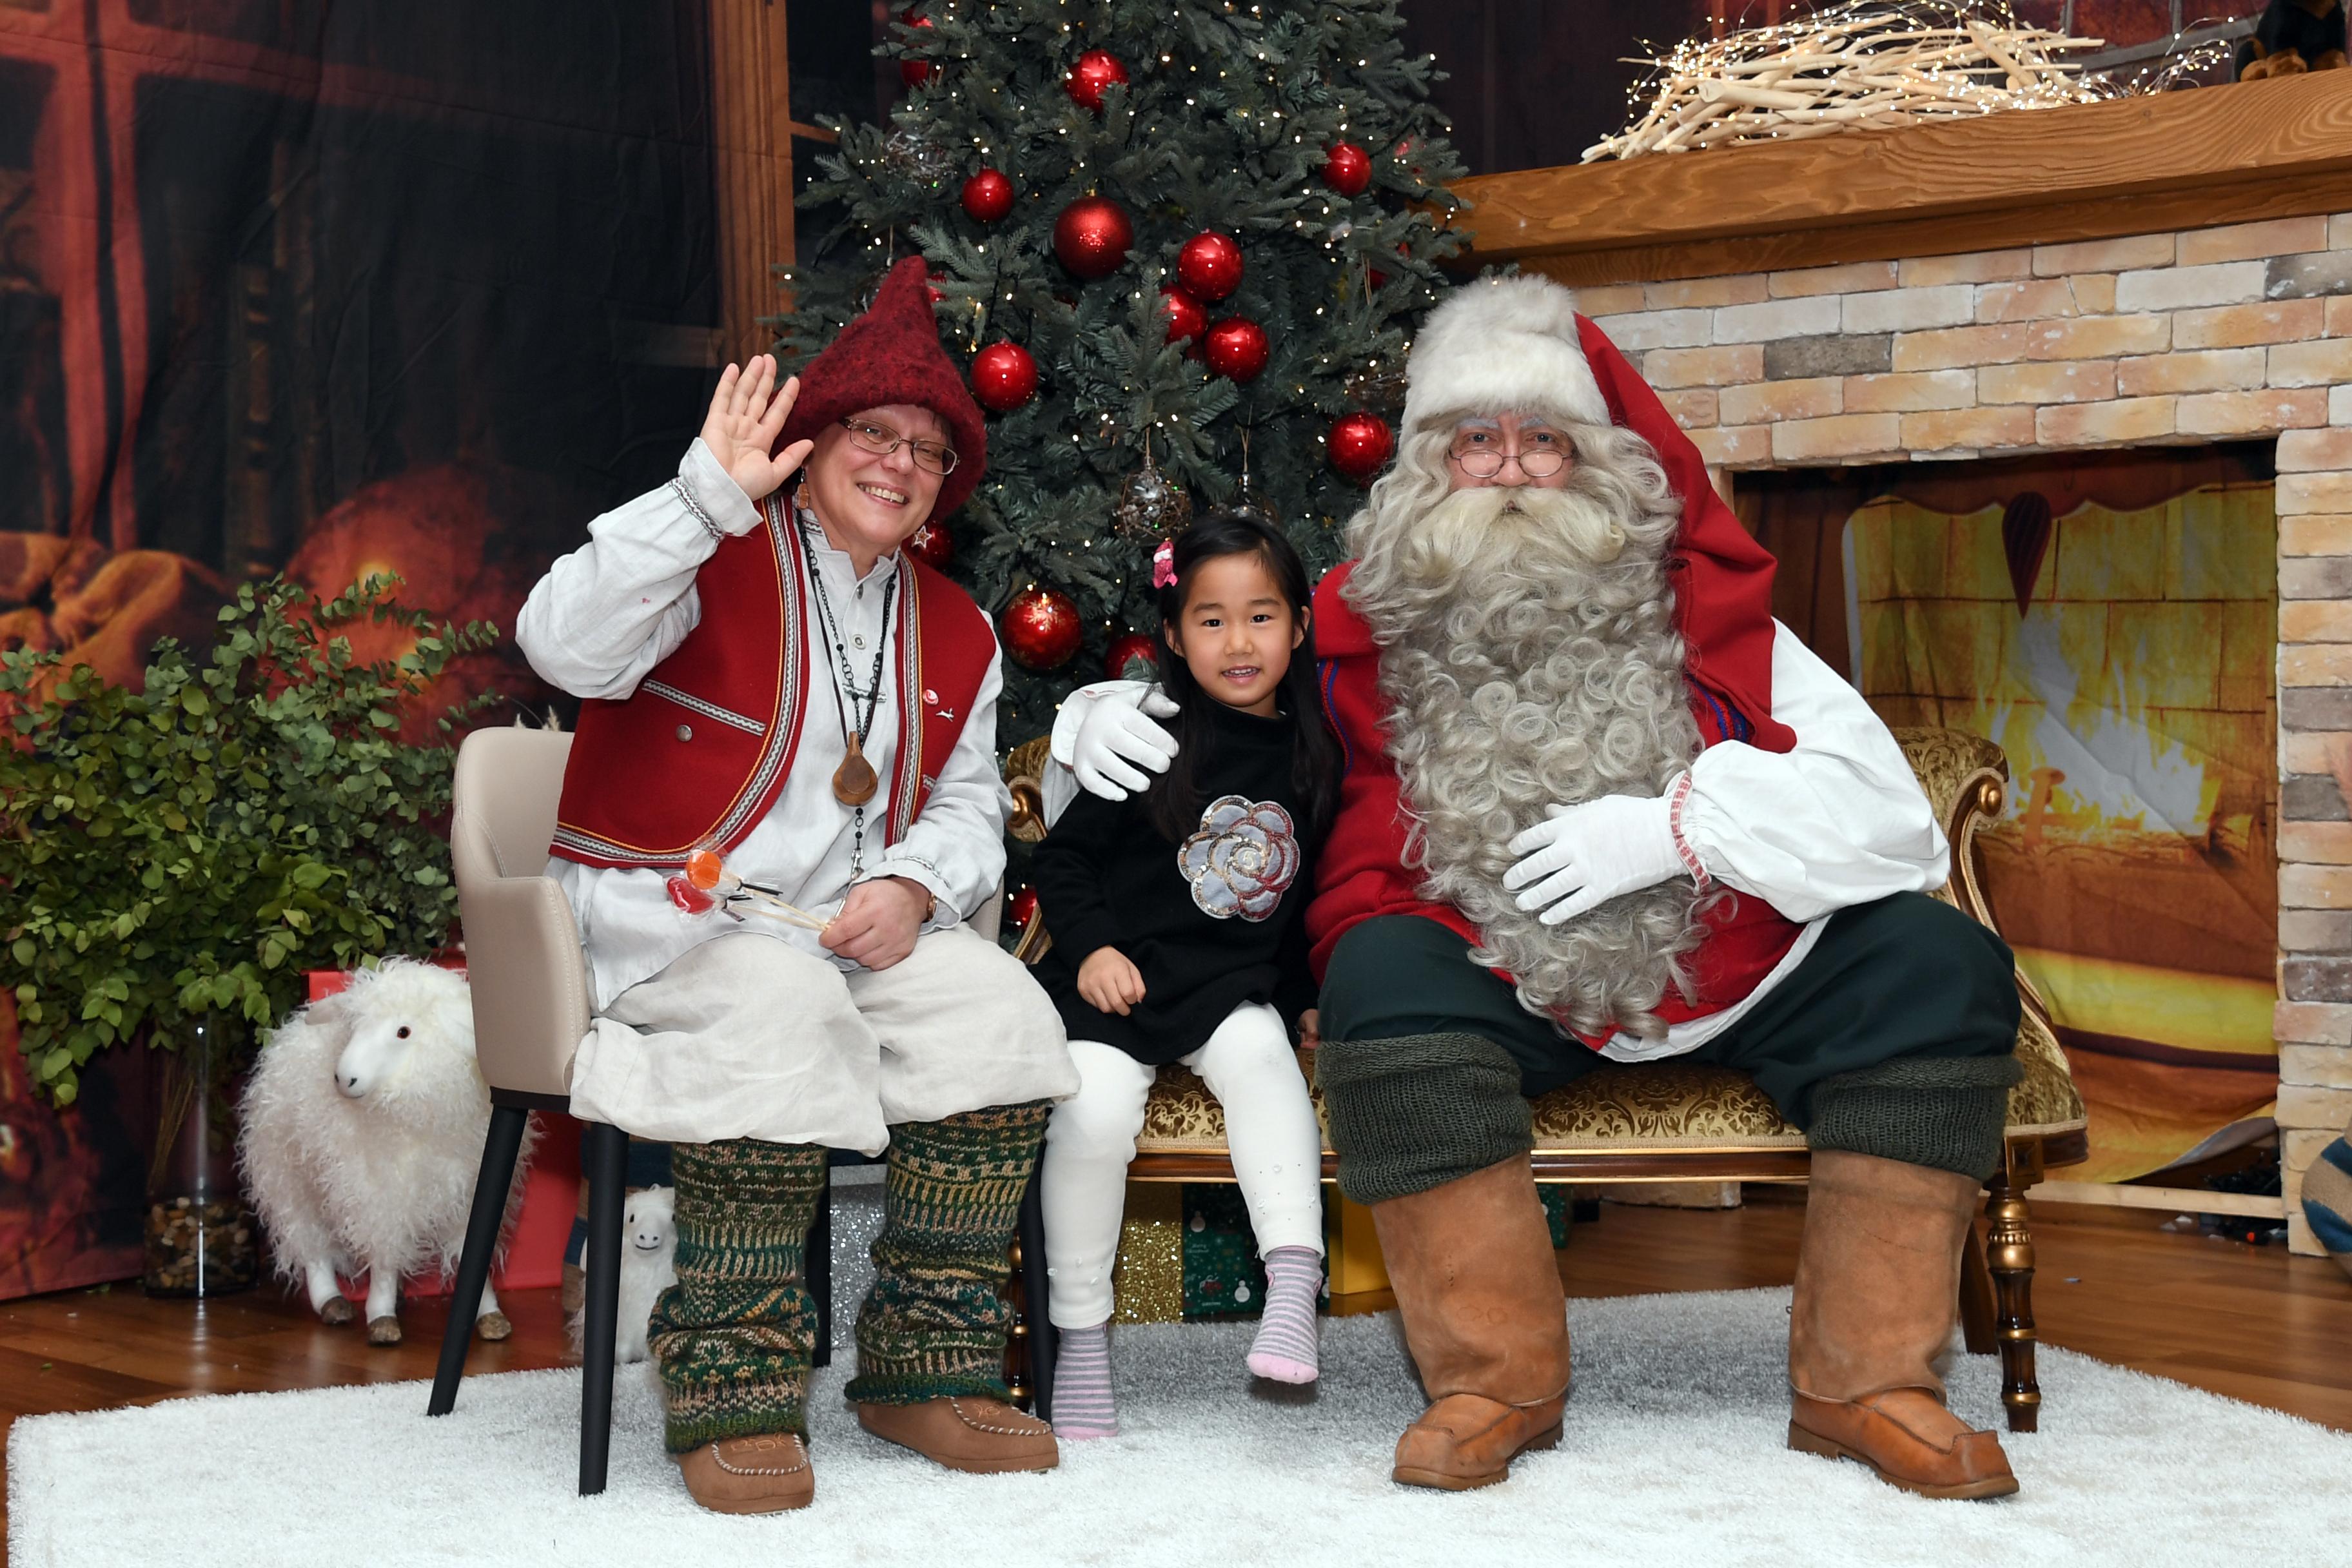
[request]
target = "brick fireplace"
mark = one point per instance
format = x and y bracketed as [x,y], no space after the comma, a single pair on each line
[2170,272]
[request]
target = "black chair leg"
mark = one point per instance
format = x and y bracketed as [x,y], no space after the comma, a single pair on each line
[605,1156]
[482,1222]
[817,1271]
[1041,1340]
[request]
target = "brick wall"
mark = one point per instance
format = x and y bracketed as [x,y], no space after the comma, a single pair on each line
[2208,334]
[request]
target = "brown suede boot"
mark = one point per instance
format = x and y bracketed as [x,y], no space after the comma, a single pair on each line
[1485,1320]
[1878,1278]
[750,1475]
[971,1432]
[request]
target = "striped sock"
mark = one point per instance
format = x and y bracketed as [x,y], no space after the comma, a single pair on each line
[1082,1407]
[1284,1347]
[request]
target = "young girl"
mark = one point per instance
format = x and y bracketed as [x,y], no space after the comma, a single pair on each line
[1176,919]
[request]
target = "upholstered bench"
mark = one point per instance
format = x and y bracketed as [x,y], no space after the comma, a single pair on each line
[1668,1122]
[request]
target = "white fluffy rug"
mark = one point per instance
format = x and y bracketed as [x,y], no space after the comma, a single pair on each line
[1673,1455]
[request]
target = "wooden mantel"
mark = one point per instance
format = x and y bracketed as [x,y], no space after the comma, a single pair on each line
[2212,155]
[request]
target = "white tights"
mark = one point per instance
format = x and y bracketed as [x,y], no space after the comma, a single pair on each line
[1269,1126]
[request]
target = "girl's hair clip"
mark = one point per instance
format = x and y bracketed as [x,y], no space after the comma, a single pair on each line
[1163,564]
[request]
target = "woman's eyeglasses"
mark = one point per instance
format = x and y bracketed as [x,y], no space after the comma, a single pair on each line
[881,440]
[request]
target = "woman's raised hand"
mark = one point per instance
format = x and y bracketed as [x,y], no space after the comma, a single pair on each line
[746,413]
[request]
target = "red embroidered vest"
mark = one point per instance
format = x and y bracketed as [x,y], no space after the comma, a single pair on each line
[1361,872]
[697,755]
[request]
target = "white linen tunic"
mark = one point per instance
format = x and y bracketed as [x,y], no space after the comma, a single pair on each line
[1837,820]
[698,1039]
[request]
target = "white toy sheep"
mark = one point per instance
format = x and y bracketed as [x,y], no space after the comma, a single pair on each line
[648,1259]
[363,1126]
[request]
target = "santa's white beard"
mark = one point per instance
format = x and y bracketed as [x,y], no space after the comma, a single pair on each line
[1528,658]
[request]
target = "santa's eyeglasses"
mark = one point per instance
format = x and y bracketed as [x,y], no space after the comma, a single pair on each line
[881,440]
[1478,455]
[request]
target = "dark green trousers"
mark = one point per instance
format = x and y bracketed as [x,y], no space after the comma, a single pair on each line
[1893,1036]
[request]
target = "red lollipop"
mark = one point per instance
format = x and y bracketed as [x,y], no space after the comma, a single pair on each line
[988,195]
[1209,265]
[1347,169]
[1235,347]
[1003,376]
[1092,236]
[1095,70]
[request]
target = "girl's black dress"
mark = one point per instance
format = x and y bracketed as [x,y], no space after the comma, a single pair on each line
[1212,923]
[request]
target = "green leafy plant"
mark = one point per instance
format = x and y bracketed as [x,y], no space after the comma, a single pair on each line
[185,852]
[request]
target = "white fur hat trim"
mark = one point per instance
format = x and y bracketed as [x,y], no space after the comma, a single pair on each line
[1502,345]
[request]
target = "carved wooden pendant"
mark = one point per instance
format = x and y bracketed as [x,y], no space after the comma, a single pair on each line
[854,782]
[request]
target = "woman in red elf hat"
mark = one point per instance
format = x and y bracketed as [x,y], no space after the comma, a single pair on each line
[782,802]
[1600,807]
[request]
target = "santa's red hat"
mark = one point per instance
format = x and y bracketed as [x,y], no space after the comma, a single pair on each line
[1515,345]
[892,354]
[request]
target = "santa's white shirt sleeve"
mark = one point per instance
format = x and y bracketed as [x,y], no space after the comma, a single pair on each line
[1838,820]
[606,615]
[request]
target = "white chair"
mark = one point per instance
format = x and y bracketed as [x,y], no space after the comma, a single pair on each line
[531,1007]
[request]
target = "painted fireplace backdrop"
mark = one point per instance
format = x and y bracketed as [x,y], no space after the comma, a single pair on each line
[2111,621]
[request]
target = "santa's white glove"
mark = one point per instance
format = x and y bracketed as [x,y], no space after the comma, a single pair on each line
[1103,736]
[1589,854]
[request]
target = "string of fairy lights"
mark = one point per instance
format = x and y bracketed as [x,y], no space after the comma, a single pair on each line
[1866,64]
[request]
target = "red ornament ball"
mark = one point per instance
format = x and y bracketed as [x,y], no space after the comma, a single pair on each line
[1210,265]
[988,195]
[1236,348]
[930,545]
[1024,909]
[1125,648]
[1362,445]
[1041,629]
[1003,376]
[1186,317]
[1347,169]
[1095,70]
[914,73]
[1092,236]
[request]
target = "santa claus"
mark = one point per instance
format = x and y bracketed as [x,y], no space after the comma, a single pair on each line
[1600,807]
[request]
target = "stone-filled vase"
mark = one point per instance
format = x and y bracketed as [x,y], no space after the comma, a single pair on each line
[201,1236]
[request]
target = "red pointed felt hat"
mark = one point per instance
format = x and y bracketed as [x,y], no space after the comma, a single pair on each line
[892,354]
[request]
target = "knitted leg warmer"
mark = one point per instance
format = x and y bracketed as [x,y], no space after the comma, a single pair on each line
[936,1320]
[1947,1113]
[1414,1112]
[732,1337]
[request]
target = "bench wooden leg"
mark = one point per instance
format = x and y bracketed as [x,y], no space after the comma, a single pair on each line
[2008,1248]
[1976,1297]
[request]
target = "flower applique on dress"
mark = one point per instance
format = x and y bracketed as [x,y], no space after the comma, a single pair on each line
[1242,860]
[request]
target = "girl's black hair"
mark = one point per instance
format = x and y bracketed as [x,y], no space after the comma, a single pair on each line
[1173,801]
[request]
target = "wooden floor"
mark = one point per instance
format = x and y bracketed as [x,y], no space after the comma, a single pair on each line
[2249,1323]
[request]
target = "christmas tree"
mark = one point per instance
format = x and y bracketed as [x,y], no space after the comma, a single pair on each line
[1180,247]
